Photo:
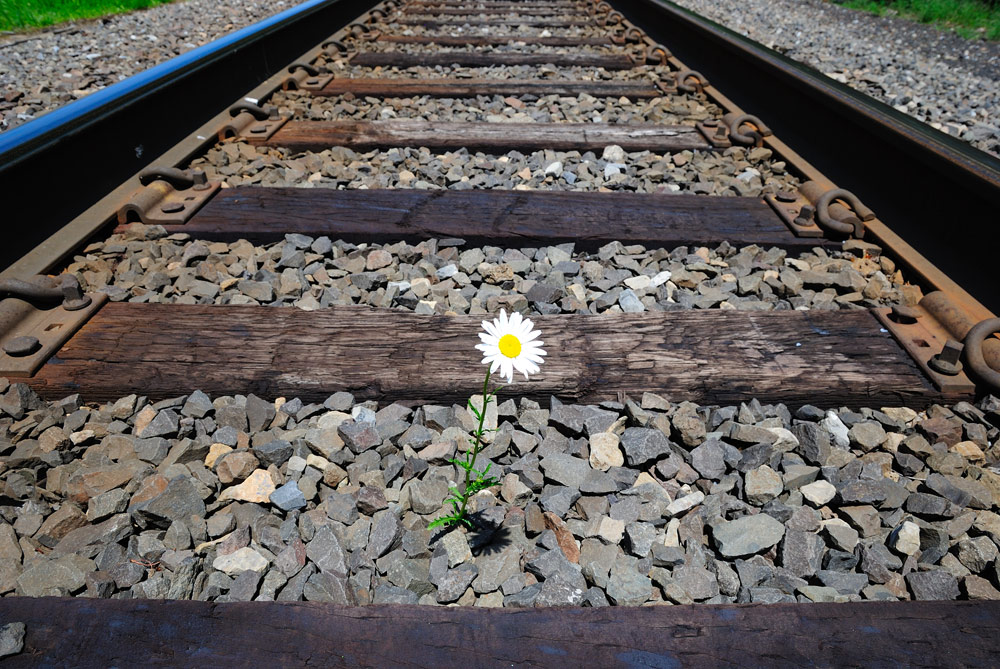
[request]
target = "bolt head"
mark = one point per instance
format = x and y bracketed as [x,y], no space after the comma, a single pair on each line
[21,346]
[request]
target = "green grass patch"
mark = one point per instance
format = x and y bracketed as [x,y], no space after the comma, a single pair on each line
[969,18]
[23,14]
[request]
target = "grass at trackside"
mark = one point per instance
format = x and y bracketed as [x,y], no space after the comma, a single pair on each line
[969,18]
[24,14]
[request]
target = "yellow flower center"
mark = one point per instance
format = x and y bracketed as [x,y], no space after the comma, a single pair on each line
[510,346]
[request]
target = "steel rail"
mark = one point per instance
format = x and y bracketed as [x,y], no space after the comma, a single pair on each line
[937,193]
[55,167]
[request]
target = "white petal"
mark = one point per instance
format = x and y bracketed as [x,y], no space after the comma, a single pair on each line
[532,336]
[515,320]
[502,321]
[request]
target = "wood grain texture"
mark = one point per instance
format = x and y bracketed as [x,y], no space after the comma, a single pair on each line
[497,5]
[470,88]
[489,137]
[164,350]
[431,22]
[451,40]
[64,632]
[489,10]
[610,61]
[498,217]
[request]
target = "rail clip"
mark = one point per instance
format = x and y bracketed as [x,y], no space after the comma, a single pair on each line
[169,196]
[37,316]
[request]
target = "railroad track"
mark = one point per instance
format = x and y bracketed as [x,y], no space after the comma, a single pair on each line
[239,373]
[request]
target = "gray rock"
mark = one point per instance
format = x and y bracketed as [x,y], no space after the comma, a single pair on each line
[495,569]
[802,552]
[844,583]
[163,424]
[385,535]
[11,638]
[626,586]
[558,499]
[709,459]
[878,562]
[178,501]
[559,591]
[747,535]
[288,497]
[643,445]
[197,405]
[640,537]
[762,485]
[60,577]
[371,500]
[391,594]
[326,552]
[428,495]
[260,413]
[274,452]
[359,436]
[523,598]
[565,469]
[699,583]
[868,435]
[331,587]
[455,582]
[932,585]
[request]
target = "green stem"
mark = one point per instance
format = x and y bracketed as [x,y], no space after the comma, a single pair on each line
[476,447]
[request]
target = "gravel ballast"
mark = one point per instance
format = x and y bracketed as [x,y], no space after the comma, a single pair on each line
[647,502]
[54,66]
[935,76]
[734,172]
[667,110]
[451,278]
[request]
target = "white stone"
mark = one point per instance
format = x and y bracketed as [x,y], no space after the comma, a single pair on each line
[837,429]
[640,282]
[610,529]
[614,154]
[905,539]
[457,547]
[605,452]
[818,492]
[786,440]
[555,168]
[762,485]
[237,562]
[682,504]
[660,278]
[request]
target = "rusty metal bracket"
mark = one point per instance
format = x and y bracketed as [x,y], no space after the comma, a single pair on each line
[657,55]
[976,340]
[30,333]
[929,344]
[697,81]
[824,211]
[716,133]
[252,122]
[169,196]
[796,211]
[305,77]
[754,137]
[631,36]
[612,18]
[335,48]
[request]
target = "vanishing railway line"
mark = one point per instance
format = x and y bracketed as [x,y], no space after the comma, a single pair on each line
[278,314]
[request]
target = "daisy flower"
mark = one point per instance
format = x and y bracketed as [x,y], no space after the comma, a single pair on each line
[510,344]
